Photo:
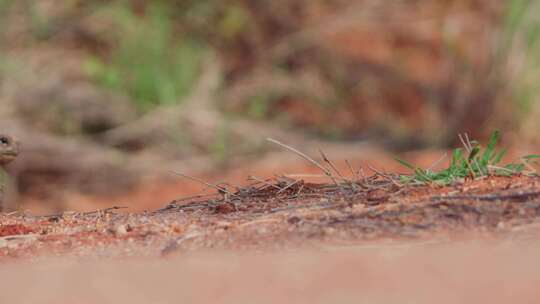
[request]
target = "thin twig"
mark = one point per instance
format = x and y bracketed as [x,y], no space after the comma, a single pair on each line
[468,140]
[304,156]
[187,198]
[299,190]
[251,177]
[330,163]
[437,162]
[103,210]
[528,166]
[288,186]
[354,174]
[385,176]
[327,160]
[298,175]
[60,215]
[306,175]
[218,188]
[464,143]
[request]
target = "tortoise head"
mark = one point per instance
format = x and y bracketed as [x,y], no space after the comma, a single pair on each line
[9,149]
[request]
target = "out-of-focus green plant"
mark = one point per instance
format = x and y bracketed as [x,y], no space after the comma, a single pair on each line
[220,145]
[40,25]
[4,7]
[149,61]
[234,21]
[259,105]
[520,49]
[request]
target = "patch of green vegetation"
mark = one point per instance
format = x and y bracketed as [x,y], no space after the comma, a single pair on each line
[259,105]
[520,45]
[5,5]
[149,61]
[40,25]
[233,22]
[476,162]
[221,145]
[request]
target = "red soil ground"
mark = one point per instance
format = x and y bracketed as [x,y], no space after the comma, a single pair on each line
[285,240]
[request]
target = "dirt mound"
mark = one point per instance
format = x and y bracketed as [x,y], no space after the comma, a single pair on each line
[284,213]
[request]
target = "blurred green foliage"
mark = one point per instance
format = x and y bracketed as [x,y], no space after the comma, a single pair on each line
[151,52]
[520,44]
[220,146]
[4,6]
[149,60]
[155,55]
[259,105]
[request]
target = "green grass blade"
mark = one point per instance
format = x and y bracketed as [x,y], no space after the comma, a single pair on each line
[405,163]
[490,149]
[474,152]
[457,156]
[498,157]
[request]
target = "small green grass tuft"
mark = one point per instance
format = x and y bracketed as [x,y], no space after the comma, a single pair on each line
[476,162]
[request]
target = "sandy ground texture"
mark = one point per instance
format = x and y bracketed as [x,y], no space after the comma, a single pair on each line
[465,272]
[364,240]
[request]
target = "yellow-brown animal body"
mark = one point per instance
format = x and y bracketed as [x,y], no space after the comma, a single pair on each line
[9,149]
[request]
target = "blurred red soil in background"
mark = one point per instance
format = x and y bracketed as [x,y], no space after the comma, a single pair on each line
[153,193]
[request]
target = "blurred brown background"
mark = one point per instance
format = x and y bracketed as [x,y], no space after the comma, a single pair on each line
[108,96]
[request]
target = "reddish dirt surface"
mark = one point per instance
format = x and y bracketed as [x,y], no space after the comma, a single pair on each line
[287,240]
[14,229]
[438,272]
[282,213]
